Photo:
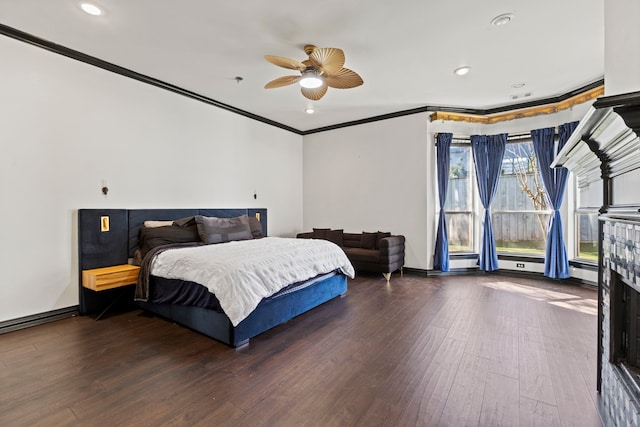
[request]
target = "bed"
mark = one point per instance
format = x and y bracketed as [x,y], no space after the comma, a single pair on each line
[292,295]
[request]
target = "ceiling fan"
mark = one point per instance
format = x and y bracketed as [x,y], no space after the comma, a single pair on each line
[322,70]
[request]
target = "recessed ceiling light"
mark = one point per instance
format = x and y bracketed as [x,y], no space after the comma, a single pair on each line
[517,85]
[309,110]
[461,71]
[503,19]
[91,9]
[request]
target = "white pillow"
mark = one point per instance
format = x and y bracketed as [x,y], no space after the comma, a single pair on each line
[155,224]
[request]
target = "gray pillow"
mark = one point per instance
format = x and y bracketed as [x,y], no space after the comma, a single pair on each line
[149,238]
[185,222]
[212,229]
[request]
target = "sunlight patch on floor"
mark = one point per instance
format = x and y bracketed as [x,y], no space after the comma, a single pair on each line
[554,297]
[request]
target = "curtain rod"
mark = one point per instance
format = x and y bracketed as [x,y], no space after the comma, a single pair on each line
[510,135]
[467,138]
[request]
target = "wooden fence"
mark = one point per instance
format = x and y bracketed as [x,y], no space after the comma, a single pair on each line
[507,226]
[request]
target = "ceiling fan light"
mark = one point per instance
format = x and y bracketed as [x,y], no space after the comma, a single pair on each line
[91,9]
[310,80]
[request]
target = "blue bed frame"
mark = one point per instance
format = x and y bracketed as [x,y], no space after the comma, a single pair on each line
[102,249]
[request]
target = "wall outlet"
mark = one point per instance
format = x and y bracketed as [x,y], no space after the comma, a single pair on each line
[520,265]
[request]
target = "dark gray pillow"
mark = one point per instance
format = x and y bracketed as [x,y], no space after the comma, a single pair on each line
[185,222]
[368,240]
[219,230]
[320,233]
[149,238]
[336,236]
[381,235]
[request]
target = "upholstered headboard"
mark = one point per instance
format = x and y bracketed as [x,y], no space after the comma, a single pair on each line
[109,237]
[137,217]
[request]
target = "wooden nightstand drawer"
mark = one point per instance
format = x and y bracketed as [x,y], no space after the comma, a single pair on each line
[115,276]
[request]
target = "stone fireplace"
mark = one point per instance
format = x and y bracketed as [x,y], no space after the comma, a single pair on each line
[620,332]
[604,150]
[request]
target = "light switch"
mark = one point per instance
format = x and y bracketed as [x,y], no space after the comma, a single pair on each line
[104,223]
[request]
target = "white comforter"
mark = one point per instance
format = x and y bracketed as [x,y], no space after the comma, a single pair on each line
[242,273]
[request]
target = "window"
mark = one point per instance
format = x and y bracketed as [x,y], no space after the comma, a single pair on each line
[589,199]
[459,204]
[520,212]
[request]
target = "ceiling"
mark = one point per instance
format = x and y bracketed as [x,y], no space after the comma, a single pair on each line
[404,50]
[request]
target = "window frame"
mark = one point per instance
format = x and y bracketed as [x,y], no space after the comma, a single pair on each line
[586,207]
[570,212]
[472,202]
[577,212]
[492,210]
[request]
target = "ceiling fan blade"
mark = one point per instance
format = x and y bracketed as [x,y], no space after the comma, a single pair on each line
[327,59]
[282,81]
[283,62]
[314,94]
[343,79]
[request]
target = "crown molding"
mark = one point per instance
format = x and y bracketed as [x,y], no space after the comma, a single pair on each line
[491,115]
[550,108]
[108,66]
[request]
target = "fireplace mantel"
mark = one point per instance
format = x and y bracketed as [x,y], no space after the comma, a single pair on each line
[605,143]
[604,150]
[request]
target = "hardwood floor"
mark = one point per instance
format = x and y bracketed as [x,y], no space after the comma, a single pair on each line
[485,350]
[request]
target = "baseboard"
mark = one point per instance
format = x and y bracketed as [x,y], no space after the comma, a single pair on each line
[37,319]
[456,272]
[412,270]
[504,272]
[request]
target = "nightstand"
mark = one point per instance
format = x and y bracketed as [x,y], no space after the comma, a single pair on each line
[115,276]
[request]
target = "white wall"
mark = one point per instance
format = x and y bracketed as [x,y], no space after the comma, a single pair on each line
[371,177]
[65,126]
[621,47]
[622,73]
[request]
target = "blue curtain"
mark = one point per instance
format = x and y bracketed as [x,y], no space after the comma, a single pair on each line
[487,158]
[556,263]
[441,254]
